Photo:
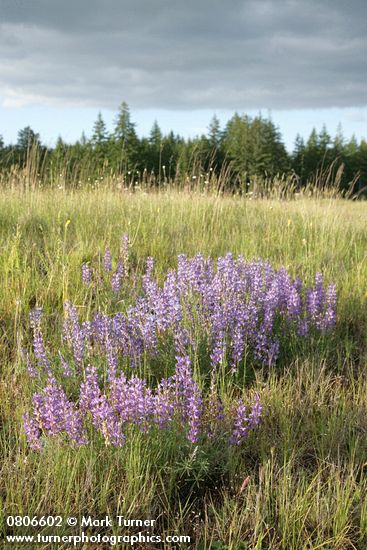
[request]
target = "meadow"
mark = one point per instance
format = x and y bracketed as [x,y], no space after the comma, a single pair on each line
[299,480]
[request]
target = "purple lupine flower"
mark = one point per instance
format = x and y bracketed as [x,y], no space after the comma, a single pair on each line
[319,290]
[140,401]
[183,384]
[111,359]
[149,267]
[89,389]
[255,414]
[32,431]
[183,340]
[241,426]
[117,277]
[218,353]
[66,370]
[102,412]
[163,405]
[49,408]
[118,394]
[188,398]
[116,283]
[294,303]
[86,274]
[303,327]
[330,313]
[238,340]
[40,351]
[100,328]
[171,300]
[315,301]
[125,245]
[38,343]
[107,261]
[73,332]
[120,268]
[74,424]
[54,413]
[35,317]
[30,367]
[87,334]
[266,348]
[243,423]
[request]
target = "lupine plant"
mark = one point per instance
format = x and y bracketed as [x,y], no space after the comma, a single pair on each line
[232,307]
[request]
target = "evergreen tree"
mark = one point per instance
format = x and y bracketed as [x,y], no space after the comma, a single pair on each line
[324,139]
[213,145]
[155,150]
[351,158]
[83,140]
[338,144]
[100,144]
[214,133]
[298,157]
[100,134]
[2,152]
[27,138]
[155,136]
[125,141]
[255,147]
[338,141]
[269,154]
[28,143]
[312,156]
[237,144]
[362,164]
[172,147]
[325,149]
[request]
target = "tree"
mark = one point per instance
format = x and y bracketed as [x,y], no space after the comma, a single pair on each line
[237,144]
[155,149]
[324,140]
[312,156]
[27,138]
[269,153]
[255,147]
[2,152]
[28,147]
[100,133]
[213,146]
[338,141]
[99,143]
[214,133]
[155,136]
[298,157]
[362,163]
[125,140]
[350,156]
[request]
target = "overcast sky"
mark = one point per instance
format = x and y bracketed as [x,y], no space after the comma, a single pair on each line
[61,61]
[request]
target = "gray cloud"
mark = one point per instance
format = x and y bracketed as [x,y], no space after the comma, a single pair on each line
[240,54]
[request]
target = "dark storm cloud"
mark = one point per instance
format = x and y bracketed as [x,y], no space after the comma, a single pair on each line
[239,54]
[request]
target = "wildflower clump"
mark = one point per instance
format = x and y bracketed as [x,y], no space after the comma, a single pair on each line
[235,307]
[230,308]
[176,401]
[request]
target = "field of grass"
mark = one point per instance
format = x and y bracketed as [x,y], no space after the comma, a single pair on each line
[305,466]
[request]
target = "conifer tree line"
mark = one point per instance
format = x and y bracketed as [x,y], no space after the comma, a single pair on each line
[248,146]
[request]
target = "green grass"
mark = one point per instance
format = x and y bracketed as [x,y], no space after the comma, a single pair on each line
[308,461]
